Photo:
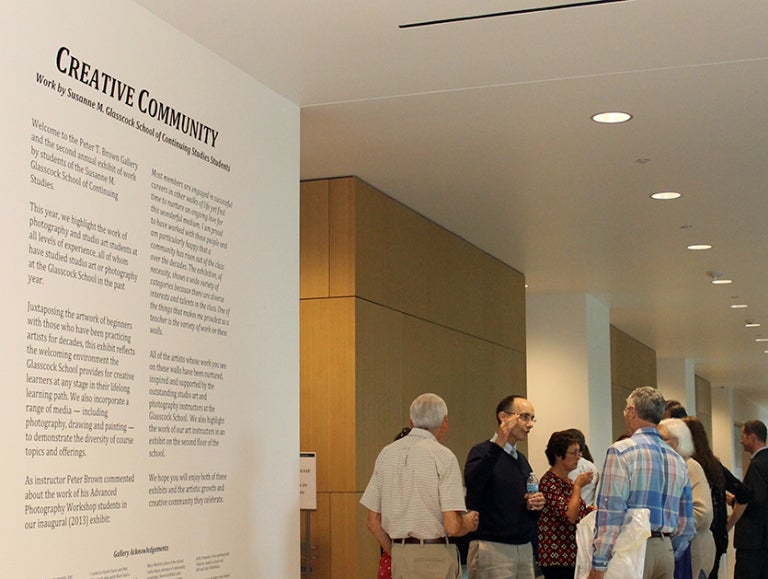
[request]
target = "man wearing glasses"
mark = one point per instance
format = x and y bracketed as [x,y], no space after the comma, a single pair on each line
[496,475]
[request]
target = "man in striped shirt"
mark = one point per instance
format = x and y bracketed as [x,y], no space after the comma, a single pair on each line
[415,498]
[642,471]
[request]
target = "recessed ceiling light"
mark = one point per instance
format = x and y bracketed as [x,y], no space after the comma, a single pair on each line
[761,339]
[718,279]
[665,195]
[699,247]
[751,325]
[738,306]
[612,117]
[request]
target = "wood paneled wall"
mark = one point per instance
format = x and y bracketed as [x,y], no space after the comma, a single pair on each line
[392,306]
[633,364]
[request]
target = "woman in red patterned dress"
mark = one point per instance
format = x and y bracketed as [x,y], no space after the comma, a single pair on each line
[564,507]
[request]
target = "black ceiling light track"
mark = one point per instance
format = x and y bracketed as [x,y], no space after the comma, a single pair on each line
[509,13]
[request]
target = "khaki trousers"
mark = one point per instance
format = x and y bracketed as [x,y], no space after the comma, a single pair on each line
[489,560]
[414,561]
[659,559]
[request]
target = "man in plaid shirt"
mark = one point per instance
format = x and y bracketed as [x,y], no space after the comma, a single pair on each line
[642,471]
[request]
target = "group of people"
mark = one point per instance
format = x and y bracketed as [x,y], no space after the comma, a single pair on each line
[417,506]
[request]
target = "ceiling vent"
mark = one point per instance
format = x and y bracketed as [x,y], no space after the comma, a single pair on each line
[510,13]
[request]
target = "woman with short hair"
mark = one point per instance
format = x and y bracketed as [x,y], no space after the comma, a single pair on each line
[563,509]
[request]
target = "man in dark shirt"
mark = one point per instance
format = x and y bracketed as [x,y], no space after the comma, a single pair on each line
[496,475]
[751,535]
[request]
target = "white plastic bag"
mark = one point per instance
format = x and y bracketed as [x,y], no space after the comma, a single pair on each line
[628,557]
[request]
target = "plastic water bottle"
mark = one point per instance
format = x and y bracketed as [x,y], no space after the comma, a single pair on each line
[532,485]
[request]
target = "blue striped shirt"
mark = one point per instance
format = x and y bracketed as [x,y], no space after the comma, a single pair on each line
[644,472]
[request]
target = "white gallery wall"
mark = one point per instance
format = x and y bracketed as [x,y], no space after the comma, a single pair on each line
[568,371]
[150,303]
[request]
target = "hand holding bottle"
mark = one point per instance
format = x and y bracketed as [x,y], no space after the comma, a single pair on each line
[534,499]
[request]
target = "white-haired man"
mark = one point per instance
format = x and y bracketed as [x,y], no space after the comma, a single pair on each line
[415,498]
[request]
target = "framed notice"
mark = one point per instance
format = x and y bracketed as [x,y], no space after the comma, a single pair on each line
[308,481]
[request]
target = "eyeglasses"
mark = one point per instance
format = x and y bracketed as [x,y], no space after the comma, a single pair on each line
[575,452]
[525,417]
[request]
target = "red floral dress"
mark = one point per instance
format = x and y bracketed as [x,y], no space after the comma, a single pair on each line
[557,535]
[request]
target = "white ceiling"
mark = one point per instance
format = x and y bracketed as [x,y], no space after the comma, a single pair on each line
[484,127]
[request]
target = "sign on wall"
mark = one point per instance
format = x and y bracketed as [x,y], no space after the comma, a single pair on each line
[145,285]
[308,481]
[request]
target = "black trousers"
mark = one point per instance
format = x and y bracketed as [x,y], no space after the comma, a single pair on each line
[716,567]
[558,572]
[751,564]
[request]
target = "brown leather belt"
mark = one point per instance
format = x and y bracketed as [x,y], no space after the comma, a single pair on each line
[415,541]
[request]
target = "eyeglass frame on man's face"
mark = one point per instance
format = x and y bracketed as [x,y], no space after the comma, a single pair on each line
[524,416]
[577,452]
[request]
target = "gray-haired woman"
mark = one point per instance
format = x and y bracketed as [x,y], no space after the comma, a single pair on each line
[676,433]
